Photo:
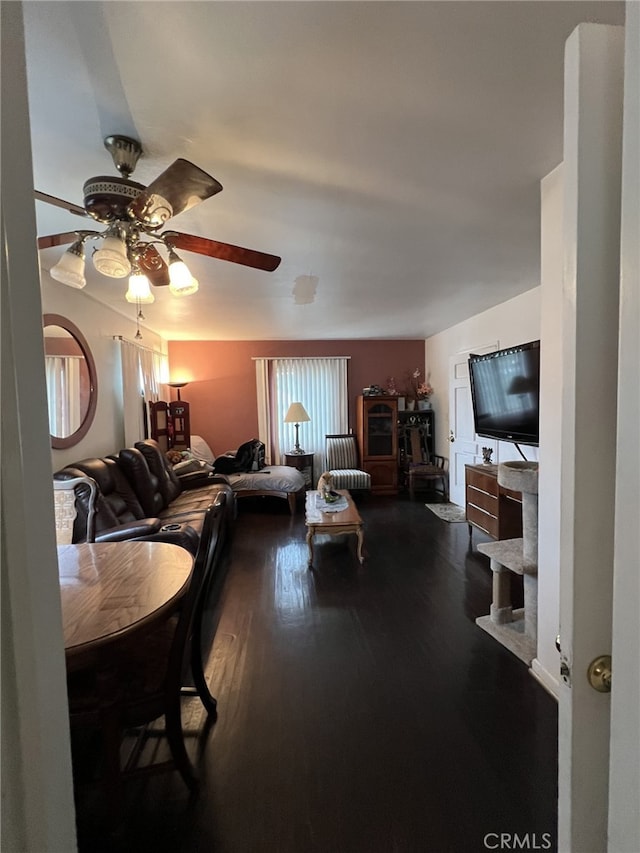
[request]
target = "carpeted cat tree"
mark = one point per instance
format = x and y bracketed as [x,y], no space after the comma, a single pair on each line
[516,629]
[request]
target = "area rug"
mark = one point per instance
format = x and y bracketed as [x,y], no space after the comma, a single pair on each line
[448,512]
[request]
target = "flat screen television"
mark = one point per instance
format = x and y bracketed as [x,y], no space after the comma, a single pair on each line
[505,393]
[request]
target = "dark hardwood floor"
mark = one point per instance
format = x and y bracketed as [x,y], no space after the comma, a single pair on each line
[361,710]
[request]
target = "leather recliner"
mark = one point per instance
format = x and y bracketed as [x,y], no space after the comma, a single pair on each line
[159,489]
[118,514]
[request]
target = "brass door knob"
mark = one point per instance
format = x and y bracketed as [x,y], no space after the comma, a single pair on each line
[599,674]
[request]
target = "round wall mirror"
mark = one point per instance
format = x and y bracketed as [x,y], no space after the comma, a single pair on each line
[72,387]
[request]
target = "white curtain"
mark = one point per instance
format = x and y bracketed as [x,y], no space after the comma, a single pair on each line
[142,373]
[264,406]
[63,394]
[132,394]
[151,369]
[320,384]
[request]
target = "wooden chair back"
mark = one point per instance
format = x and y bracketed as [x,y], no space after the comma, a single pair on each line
[134,682]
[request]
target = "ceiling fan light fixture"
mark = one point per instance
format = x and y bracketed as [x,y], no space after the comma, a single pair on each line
[111,259]
[181,282]
[139,290]
[187,289]
[70,268]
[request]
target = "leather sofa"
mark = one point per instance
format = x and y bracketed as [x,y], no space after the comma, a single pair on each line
[140,497]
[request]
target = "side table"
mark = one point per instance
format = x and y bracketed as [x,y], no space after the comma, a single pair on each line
[304,463]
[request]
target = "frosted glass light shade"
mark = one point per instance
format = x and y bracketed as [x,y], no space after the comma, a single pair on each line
[112,258]
[70,268]
[139,290]
[184,289]
[181,282]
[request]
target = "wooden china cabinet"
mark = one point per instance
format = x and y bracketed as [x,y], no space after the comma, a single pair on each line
[377,431]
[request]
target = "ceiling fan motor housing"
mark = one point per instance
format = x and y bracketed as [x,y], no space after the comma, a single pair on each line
[106,198]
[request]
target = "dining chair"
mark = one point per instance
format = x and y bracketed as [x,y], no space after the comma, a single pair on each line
[137,680]
[433,473]
[342,463]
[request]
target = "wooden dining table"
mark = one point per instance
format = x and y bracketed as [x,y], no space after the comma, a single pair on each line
[111,590]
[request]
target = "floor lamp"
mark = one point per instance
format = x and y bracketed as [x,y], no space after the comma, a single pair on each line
[296,415]
[177,386]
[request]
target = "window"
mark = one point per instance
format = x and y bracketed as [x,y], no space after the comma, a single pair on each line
[320,384]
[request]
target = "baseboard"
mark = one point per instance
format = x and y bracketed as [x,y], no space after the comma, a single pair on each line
[544,677]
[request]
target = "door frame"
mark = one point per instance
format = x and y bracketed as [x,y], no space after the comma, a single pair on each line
[591,235]
[624,759]
[457,382]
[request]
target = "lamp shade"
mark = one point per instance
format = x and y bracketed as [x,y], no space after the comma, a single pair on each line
[296,414]
[70,268]
[181,282]
[139,290]
[112,258]
[177,386]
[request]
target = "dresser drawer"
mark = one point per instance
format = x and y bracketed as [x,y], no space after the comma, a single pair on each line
[482,499]
[511,495]
[483,520]
[490,507]
[487,482]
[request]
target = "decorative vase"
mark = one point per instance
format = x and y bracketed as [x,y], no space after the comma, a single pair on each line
[423,405]
[410,404]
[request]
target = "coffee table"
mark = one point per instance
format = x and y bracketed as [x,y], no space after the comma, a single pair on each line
[344,521]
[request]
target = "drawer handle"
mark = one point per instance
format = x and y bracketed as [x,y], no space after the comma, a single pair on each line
[484,511]
[483,492]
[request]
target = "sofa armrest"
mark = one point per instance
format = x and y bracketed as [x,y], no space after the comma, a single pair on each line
[131,530]
[198,479]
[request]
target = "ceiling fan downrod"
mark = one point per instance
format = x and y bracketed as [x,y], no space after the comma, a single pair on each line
[125,153]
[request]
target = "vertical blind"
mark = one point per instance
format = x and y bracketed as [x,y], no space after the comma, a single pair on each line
[320,384]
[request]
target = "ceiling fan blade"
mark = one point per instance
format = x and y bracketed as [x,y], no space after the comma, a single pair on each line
[57,239]
[222,251]
[178,188]
[152,265]
[59,202]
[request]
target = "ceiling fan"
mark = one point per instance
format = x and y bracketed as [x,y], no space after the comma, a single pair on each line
[133,215]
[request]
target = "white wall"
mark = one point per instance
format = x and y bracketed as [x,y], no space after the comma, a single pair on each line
[98,324]
[513,322]
[532,315]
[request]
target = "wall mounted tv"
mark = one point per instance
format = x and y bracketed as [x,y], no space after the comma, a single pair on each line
[505,393]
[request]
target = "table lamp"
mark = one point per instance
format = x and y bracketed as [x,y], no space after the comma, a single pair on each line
[296,415]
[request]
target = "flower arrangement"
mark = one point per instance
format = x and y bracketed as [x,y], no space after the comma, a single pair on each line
[417,387]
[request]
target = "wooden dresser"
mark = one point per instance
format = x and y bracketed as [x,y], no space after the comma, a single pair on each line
[491,508]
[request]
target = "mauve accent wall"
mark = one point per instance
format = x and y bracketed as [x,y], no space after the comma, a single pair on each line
[222,378]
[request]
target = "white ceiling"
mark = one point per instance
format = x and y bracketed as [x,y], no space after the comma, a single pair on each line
[389,152]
